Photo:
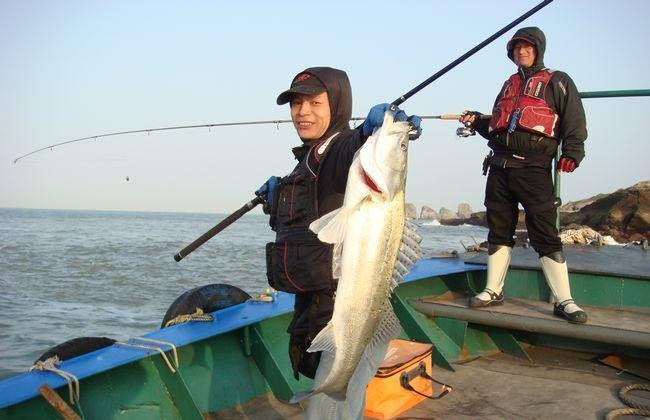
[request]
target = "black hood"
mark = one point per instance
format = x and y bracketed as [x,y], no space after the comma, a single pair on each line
[535,36]
[339,92]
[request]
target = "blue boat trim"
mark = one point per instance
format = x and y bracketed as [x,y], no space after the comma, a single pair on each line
[25,386]
[440,267]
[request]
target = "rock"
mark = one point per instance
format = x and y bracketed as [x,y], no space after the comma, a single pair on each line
[410,211]
[427,213]
[582,235]
[572,206]
[446,214]
[464,211]
[475,219]
[623,214]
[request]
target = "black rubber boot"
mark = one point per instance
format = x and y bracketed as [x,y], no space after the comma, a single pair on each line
[576,317]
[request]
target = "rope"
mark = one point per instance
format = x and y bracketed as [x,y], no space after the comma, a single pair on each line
[196,316]
[164,343]
[50,365]
[637,409]
[158,349]
[268,296]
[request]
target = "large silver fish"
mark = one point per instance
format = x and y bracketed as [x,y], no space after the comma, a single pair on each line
[370,228]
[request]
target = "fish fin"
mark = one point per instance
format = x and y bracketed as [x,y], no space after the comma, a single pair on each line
[410,252]
[319,224]
[411,231]
[324,341]
[331,228]
[303,395]
[388,328]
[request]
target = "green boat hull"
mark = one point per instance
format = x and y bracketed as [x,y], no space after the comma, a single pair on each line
[222,371]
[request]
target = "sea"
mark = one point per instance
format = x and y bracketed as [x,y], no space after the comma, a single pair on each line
[75,273]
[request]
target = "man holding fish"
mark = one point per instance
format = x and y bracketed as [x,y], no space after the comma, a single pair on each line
[338,237]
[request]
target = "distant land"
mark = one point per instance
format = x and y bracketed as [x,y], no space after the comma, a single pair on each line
[623,214]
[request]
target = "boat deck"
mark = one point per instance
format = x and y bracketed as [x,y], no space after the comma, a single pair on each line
[619,261]
[607,325]
[554,384]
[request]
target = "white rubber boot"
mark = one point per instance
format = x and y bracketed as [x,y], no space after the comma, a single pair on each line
[557,276]
[497,267]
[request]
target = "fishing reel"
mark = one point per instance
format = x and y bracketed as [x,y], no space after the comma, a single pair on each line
[465,131]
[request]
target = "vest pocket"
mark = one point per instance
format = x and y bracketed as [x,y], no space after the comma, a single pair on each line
[539,119]
[297,267]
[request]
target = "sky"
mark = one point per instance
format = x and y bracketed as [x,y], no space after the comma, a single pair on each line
[72,69]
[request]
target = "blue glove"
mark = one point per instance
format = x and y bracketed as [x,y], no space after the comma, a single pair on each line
[376,117]
[267,192]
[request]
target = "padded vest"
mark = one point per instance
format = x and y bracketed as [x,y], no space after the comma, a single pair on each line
[297,261]
[523,106]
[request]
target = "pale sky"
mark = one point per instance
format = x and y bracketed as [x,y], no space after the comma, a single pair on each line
[72,69]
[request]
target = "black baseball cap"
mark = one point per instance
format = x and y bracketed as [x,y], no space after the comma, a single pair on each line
[305,83]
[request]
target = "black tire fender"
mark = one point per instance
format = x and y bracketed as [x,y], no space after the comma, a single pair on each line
[208,298]
[76,347]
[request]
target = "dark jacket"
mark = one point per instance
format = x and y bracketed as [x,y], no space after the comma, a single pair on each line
[297,261]
[561,95]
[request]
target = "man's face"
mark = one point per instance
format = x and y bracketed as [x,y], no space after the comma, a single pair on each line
[310,115]
[524,54]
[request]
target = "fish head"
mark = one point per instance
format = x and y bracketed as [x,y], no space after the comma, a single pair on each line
[383,159]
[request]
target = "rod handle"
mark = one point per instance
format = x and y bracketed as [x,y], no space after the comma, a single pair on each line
[218,228]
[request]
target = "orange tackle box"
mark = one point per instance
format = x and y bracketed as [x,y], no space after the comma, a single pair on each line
[385,396]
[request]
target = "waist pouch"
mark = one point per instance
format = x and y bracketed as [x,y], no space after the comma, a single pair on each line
[298,267]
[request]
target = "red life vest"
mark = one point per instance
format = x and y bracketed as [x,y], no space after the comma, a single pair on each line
[526,108]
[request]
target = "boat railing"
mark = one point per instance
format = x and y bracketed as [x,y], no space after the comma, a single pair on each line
[591,95]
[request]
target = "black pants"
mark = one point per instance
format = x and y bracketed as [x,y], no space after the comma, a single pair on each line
[532,187]
[312,312]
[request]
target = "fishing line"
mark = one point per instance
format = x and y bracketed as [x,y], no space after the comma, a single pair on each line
[394,104]
[468,54]
[183,127]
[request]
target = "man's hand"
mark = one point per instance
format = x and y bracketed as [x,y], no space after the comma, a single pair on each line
[267,192]
[468,118]
[566,164]
[376,117]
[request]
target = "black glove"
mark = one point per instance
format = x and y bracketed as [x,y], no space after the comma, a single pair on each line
[469,118]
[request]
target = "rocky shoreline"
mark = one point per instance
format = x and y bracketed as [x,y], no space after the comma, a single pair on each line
[623,215]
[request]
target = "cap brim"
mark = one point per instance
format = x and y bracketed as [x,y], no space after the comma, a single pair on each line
[288,94]
[511,43]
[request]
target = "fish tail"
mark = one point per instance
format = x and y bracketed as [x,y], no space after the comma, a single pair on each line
[303,395]
[339,395]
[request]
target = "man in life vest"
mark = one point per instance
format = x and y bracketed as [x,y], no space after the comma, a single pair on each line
[297,261]
[537,111]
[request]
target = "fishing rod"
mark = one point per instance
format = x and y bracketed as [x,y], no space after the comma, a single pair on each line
[397,102]
[229,220]
[182,127]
